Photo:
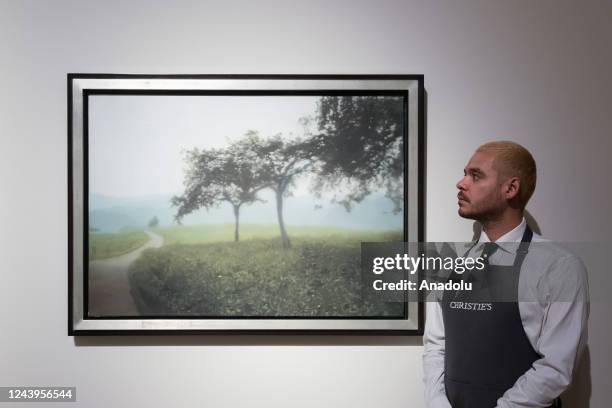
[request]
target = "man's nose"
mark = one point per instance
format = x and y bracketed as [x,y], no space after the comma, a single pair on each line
[461,184]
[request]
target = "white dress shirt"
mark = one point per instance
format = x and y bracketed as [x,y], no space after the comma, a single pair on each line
[554,319]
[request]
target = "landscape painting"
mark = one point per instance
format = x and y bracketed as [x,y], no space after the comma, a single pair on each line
[240,205]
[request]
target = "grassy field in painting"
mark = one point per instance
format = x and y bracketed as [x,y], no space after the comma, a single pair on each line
[202,234]
[108,245]
[201,271]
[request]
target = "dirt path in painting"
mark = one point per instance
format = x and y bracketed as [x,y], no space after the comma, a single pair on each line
[109,289]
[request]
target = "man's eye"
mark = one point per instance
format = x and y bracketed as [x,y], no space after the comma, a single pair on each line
[475,176]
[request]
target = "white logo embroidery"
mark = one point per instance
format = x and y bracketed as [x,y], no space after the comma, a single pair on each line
[478,307]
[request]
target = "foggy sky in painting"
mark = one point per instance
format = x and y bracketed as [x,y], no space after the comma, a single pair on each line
[135,141]
[137,146]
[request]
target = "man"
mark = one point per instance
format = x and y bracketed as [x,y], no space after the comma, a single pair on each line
[509,353]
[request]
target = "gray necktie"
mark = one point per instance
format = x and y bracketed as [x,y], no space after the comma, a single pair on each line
[479,277]
[488,251]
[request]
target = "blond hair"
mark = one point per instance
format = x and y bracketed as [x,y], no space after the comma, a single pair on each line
[513,160]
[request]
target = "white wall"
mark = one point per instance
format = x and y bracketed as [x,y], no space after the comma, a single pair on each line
[533,72]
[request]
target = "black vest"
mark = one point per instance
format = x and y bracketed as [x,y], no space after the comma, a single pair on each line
[486,348]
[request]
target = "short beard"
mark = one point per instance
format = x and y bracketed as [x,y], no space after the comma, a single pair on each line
[482,215]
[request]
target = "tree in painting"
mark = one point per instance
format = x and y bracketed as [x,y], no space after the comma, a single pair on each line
[214,176]
[359,145]
[283,160]
[154,222]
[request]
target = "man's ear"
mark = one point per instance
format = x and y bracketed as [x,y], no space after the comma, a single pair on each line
[512,187]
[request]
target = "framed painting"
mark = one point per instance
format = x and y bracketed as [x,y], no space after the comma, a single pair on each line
[238,204]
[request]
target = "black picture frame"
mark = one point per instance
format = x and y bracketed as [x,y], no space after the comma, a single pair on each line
[83,87]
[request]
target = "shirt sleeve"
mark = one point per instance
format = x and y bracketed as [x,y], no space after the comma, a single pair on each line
[562,337]
[433,357]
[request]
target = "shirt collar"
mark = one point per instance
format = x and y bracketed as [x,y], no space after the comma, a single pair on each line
[515,235]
